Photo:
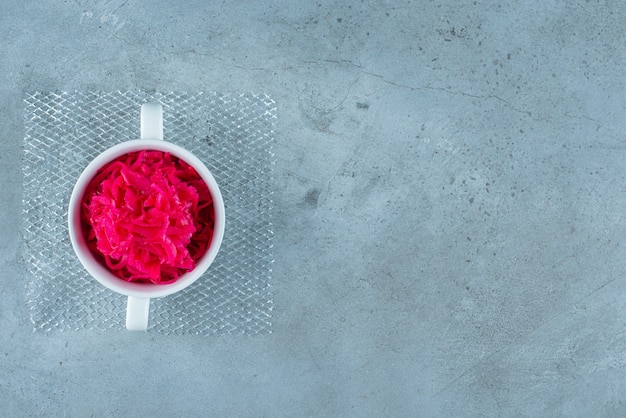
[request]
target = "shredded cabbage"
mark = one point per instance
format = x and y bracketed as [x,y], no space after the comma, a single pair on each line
[148,216]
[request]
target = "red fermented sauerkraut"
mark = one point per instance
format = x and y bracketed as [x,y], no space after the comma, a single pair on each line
[148,216]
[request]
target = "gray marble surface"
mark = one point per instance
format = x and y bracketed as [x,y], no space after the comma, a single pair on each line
[449,207]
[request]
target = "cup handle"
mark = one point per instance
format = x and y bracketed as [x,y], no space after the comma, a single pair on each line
[151,127]
[151,121]
[137,310]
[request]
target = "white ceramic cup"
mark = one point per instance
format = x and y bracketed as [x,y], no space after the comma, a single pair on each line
[139,294]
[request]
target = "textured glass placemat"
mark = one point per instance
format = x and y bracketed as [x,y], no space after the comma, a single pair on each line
[231,133]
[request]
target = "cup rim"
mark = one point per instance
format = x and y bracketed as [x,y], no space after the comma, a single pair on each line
[101,273]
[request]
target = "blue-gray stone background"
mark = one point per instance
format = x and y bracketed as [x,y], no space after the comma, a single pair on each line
[448,207]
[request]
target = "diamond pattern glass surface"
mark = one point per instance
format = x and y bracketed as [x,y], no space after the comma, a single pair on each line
[231,133]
